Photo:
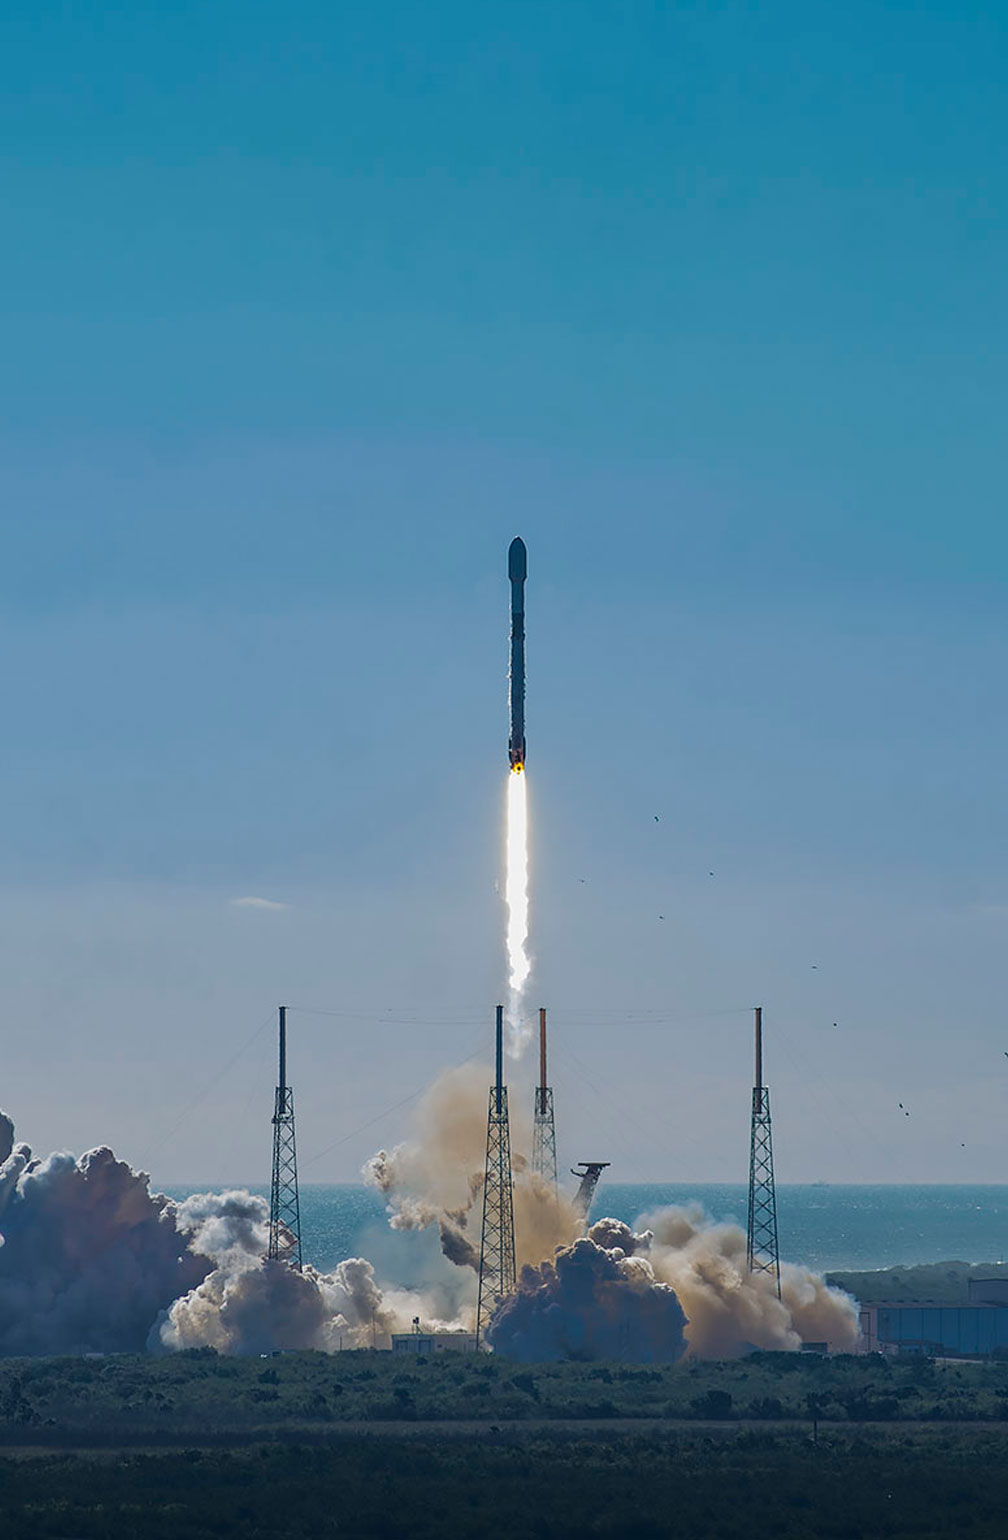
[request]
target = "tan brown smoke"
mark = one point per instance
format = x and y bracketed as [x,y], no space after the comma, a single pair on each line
[729,1309]
[436,1177]
[432,1172]
[90,1260]
[544,1219]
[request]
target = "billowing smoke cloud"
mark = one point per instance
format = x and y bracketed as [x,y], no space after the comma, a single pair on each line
[436,1178]
[249,1304]
[731,1310]
[679,1285]
[88,1256]
[92,1261]
[590,1302]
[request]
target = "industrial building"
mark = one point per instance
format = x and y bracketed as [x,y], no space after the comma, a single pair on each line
[978,1329]
[423,1344]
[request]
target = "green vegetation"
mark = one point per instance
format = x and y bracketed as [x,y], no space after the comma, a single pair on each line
[926,1485]
[138,1399]
[932,1283]
[193,1446]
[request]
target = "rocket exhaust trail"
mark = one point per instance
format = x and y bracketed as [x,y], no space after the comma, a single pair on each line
[516,876]
[516,885]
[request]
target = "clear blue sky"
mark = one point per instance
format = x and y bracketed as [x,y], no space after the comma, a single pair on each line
[307,310]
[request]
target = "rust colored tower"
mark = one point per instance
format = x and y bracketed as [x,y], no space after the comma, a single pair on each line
[544,1159]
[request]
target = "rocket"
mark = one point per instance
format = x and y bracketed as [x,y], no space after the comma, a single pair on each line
[517,569]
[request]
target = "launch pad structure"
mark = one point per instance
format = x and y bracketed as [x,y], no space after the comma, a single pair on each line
[762,1252]
[285,1206]
[544,1157]
[588,1180]
[497,1273]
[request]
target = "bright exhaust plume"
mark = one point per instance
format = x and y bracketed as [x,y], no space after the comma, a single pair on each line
[516,899]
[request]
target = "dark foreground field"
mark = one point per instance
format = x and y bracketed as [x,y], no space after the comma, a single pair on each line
[364,1444]
[750,1483]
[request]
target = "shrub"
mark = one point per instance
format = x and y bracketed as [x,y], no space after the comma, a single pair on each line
[713,1403]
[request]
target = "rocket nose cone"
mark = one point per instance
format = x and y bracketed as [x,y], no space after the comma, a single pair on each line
[517,560]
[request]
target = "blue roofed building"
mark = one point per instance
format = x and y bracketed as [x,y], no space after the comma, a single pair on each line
[978,1329]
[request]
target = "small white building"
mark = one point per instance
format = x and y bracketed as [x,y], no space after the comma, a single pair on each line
[422,1344]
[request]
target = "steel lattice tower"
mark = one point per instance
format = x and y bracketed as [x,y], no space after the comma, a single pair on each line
[762,1253]
[285,1208]
[544,1160]
[497,1245]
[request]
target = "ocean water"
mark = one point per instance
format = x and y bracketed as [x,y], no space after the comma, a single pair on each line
[823,1226]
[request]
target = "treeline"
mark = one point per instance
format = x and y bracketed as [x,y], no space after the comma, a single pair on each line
[930,1283]
[137,1399]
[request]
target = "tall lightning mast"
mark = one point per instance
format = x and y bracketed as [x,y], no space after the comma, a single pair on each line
[544,1160]
[762,1253]
[285,1208]
[497,1244]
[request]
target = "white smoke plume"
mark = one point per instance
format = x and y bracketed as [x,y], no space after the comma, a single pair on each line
[88,1255]
[516,898]
[611,1294]
[92,1261]
[249,1304]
